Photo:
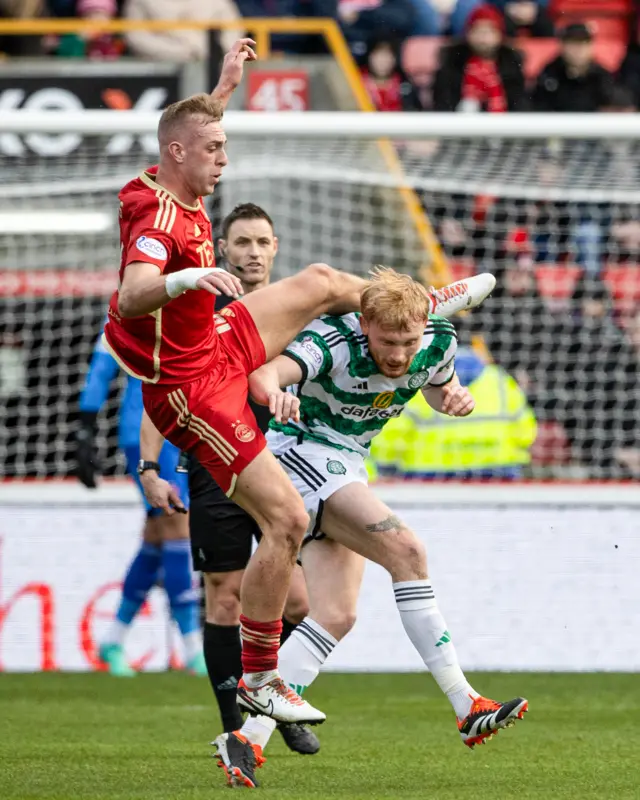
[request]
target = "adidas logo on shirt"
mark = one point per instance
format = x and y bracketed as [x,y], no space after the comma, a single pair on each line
[364,386]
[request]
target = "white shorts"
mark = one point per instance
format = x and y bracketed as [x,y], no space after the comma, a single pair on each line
[317,471]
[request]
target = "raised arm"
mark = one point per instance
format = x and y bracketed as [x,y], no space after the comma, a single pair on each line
[267,383]
[233,68]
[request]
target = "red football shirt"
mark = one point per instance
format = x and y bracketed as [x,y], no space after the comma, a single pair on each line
[176,343]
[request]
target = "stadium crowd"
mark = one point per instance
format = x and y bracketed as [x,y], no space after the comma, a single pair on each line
[482,66]
[490,30]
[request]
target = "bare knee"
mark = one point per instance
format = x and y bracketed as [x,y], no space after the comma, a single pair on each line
[405,556]
[336,621]
[287,527]
[222,597]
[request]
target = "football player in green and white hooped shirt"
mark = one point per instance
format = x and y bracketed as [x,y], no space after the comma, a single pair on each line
[350,375]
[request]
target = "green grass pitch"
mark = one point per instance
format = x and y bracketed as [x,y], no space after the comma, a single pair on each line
[84,737]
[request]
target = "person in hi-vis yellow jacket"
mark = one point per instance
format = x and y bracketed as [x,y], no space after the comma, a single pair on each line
[494,441]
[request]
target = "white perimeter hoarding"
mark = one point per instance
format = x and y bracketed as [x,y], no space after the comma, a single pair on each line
[528,578]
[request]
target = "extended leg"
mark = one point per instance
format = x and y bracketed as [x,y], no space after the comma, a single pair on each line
[281,310]
[358,519]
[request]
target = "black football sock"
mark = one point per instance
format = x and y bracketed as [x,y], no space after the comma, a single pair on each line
[222,650]
[287,629]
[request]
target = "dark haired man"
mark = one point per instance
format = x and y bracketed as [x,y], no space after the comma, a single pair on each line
[222,533]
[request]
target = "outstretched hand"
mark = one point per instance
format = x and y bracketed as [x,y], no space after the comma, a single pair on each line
[284,406]
[233,68]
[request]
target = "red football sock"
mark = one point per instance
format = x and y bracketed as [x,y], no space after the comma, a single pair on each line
[260,644]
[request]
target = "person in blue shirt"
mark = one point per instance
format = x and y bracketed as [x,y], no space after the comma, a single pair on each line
[164,552]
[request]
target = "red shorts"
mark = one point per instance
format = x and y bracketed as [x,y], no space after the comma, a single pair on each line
[210,416]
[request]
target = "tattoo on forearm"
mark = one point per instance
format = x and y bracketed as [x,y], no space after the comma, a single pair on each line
[387,524]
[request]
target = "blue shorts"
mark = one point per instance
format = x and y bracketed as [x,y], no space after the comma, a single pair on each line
[169,457]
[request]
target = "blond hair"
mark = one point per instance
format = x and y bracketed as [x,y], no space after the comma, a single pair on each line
[198,105]
[394,300]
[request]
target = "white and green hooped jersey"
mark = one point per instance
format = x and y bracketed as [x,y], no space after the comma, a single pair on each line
[344,400]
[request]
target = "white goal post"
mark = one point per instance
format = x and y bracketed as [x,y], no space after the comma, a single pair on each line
[553,199]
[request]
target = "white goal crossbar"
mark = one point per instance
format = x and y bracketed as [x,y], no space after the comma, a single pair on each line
[338,124]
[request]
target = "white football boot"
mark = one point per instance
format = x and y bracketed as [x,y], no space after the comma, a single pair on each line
[276,700]
[462,295]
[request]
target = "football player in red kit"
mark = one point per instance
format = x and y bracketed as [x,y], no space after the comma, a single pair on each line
[194,366]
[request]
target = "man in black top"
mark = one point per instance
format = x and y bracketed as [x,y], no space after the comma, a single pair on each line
[574,81]
[222,534]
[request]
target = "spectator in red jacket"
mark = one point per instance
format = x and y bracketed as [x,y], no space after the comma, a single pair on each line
[480,73]
[387,85]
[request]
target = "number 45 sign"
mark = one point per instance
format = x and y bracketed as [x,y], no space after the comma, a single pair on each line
[278,90]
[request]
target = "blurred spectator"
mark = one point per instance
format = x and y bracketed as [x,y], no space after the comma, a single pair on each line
[594,385]
[387,85]
[480,73]
[363,20]
[526,17]
[494,441]
[20,9]
[442,17]
[179,45]
[621,101]
[629,74]
[515,324]
[627,441]
[92,45]
[574,81]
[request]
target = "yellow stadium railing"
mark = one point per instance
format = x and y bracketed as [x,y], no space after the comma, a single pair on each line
[437,270]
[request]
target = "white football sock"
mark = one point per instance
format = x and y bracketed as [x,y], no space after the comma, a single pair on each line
[258,730]
[304,652]
[192,645]
[254,680]
[428,632]
[116,632]
[299,662]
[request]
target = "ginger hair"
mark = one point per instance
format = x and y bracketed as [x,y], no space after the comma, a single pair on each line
[394,300]
[199,105]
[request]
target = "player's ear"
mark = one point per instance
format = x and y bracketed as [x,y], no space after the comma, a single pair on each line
[275,245]
[177,151]
[222,247]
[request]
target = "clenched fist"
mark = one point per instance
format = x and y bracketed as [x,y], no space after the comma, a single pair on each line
[457,400]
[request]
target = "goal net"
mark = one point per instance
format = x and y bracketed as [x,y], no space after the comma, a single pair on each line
[553,214]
